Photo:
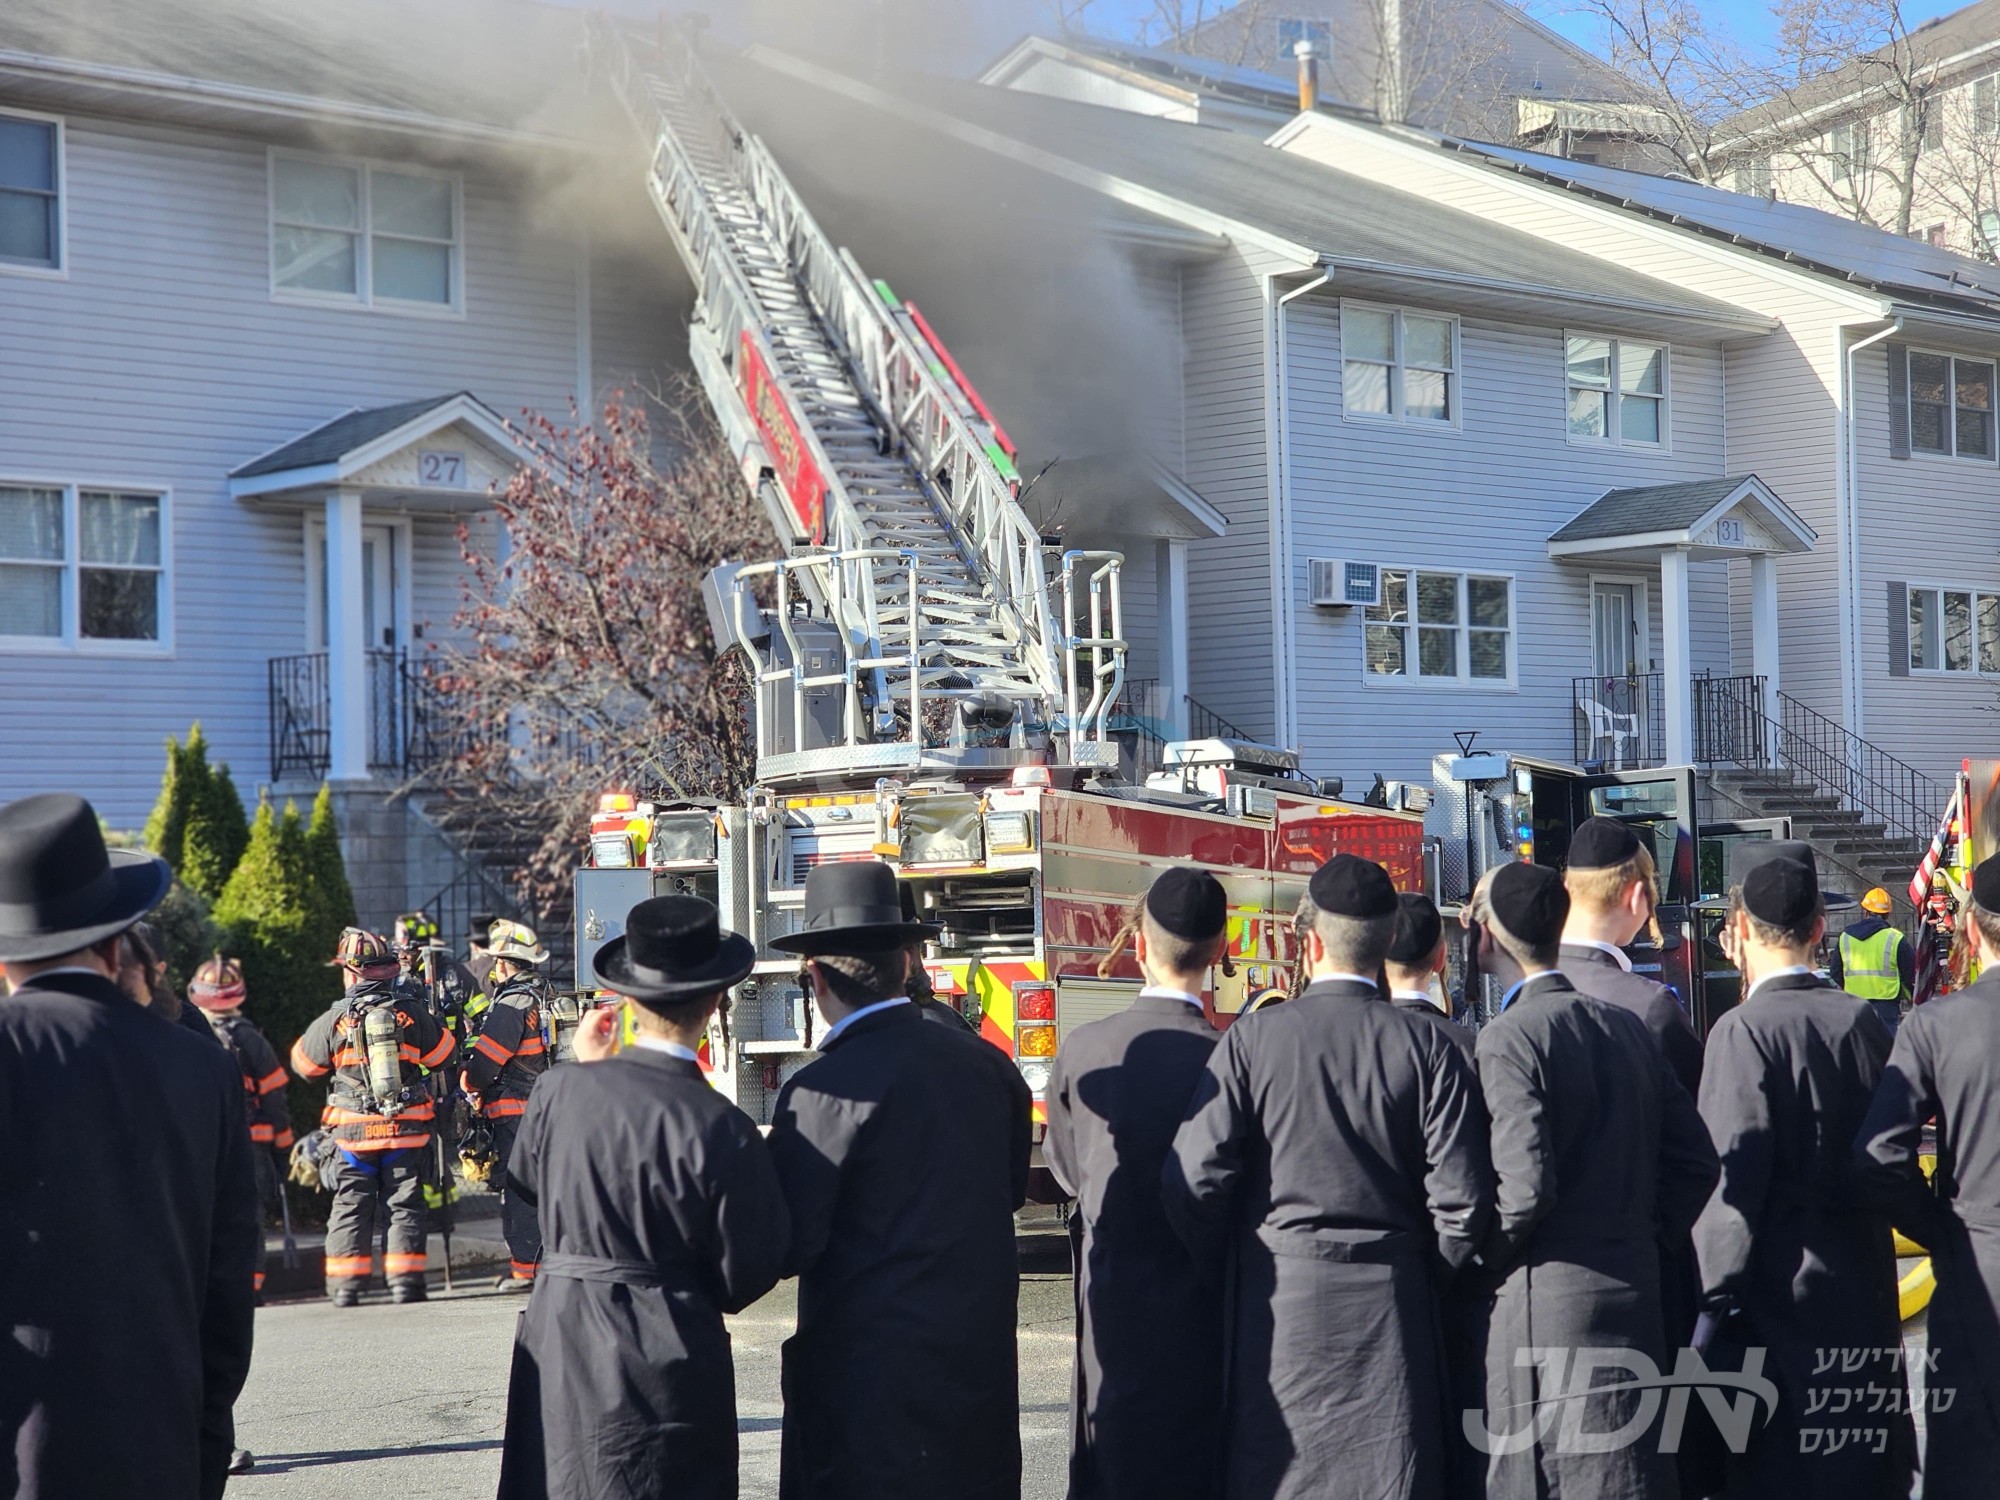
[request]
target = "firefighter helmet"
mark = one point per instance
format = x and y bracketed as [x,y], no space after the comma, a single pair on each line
[415,930]
[217,984]
[1876,901]
[476,1155]
[362,951]
[515,941]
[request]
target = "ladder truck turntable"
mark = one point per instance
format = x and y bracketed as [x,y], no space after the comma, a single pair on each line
[934,682]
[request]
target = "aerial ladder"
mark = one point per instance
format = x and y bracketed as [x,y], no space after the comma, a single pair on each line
[919,607]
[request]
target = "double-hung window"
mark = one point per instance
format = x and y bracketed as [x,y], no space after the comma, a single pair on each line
[30,193]
[1441,628]
[356,232]
[82,565]
[1397,365]
[1954,630]
[1951,405]
[1617,390]
[1847,148]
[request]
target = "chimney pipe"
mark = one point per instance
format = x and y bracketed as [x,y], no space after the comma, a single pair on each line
[1307,52]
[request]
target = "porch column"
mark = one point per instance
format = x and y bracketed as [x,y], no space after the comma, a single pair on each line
[1170,598]
[1677,675]
[346,646]
[1764,627]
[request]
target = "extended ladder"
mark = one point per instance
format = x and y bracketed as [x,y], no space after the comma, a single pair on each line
[860,441]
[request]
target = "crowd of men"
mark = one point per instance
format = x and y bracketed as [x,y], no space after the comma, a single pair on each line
[1342,1248]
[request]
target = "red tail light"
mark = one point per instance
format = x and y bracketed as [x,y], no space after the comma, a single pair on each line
[1035,1003]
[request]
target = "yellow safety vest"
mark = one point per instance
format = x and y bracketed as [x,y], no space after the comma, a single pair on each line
[1868,965]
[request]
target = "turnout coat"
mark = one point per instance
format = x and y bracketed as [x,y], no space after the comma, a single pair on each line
[1146,1400]
[660,1212]
[1946,1063]
[128,1228]
[1333,1168]
[1792,1242]
[903,1153]
[1598,1153]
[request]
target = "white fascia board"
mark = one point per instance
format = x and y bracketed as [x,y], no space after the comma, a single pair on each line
[1587,546]
[1739,320]
[998,73]
[1212,522]
[1634,221]
[280,480]
[1760,495]
[1958,323]
[1116,188]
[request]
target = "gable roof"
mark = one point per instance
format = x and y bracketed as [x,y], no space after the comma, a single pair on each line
[1182,76]
[332,441]
[1675,515]
[338,450]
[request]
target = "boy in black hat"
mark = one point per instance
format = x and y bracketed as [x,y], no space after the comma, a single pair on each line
[1333,1165]
[1416,958]
[1148,1387]
[1794,1259]
[1596,1149]
[660,1213]
[128,1212]
[1945,1065]
[903,1153]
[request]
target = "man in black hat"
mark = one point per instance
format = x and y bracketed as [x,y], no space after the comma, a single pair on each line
[1597,1149]
[1795,1256]
[1147,1395]
[1333,1165]
[1945,1065]
[660,1213]
[903,1153]
[1415,961]
[922,995]
[128,1210]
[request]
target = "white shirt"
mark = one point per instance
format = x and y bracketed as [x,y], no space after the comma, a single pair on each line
[1329,978]
[1166,994]
[672,1049]
[1765,979]
[1618,954]
[1521,984]
[1423,995]
[854,1015]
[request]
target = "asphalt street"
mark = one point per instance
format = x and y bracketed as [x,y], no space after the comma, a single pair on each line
[387,1403]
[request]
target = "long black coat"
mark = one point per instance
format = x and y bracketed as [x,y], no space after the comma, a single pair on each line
[903,1153]
[1597,1154]
[128,1228]
[660,1212]
[1336,1154]
[1790,1239]
[1146,1402]
[1420,1006]
[1946,1063]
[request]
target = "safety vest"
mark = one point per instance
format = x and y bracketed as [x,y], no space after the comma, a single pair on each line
[1868,965]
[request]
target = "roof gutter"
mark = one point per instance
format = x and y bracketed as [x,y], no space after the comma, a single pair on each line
[1284,654]
[1720,317]
[1852,707]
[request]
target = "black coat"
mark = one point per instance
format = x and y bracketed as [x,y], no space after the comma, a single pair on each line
[1420,1006]
[1598,1153]
[1146,1401]
[659,1213]
[1333,1165]
[128,1229]
[903,1153]
[1946,1063]
[1790,1239]
[1597,974]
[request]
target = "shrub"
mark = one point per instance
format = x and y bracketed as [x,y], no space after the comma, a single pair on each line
[215,834]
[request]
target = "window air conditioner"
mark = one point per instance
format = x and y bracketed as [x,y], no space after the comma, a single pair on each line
[1342,585]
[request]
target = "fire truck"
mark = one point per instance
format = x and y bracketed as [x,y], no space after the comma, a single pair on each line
[936,683]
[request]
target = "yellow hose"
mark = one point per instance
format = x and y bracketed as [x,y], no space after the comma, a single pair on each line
[1914,1288]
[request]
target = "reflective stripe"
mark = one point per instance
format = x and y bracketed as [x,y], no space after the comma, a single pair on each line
[336,1114]
[349,1265]
[1868,969]
[401,1263]
[524,1270]
[283,1139]
[303,1065]
[256,1281]
[500,1109]
[272,1081]
[438,1053]
[488,1048]
[261,1133]
[533,1046]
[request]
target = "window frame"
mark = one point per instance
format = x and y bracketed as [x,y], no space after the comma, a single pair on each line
[1307,25]
[1463,629]
[1937,591]
[60,270]
[71,641]
[1952,455]
[1397,415]
[364,297]
[1614,427]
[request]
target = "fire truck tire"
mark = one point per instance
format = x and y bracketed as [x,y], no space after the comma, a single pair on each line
[1913,1292]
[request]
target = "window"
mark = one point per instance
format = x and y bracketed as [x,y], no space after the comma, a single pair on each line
[1398,365]
[1617,390]
[1989,234]
[1985,115]
[1954,630]
[1934,236]
[1441,628]
[1951,405]
[1930,122]
[1292,30]
[1847,145]
[1753,175]
[355,232]
[79,564]
[30,193]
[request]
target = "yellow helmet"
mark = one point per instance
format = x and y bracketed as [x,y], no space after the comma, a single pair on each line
[1876,901]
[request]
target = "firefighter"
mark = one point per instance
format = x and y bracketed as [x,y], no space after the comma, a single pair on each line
[1874,962]
[1332,1164]
[508,1054]
[1945,1065]
[375,1045]
[431,976]
[1147,1395]
[217,991]
[1415,960]
[478,960]
[1795,1260]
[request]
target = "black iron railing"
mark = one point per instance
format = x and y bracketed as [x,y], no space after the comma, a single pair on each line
[1143,712]
[1621,722]
[411,726]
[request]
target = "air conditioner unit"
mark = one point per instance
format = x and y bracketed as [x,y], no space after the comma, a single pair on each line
[1342,585]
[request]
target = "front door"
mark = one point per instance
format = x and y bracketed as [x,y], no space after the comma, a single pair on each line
[381,612]
[1616,704]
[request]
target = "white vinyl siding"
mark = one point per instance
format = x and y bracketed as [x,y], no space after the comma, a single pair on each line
[364,233]
[83,567]
[1617,390]
[1399,365]
[31,193]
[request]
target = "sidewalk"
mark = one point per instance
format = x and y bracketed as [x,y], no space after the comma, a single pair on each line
[477,1247]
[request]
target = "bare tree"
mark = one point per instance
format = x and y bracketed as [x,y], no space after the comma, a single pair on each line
[1960,182]
[1691,74]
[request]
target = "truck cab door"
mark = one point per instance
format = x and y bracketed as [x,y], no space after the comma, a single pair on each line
[1721,986]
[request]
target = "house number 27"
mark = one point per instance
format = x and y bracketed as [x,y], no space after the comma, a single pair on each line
[446,470]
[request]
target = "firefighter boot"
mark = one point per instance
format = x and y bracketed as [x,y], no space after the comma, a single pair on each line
[346,1295]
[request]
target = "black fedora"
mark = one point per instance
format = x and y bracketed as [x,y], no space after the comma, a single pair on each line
[854,907]
[60,888]
[673,950]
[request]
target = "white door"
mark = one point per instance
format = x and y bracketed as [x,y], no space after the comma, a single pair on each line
[1614,617]
[1616,703]
[382,625]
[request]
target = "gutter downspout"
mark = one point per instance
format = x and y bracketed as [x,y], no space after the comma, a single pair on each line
[1852,707]
[1285,645]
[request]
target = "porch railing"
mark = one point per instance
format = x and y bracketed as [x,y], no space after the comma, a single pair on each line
[409,729]
[1621,722]
[1144,712]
